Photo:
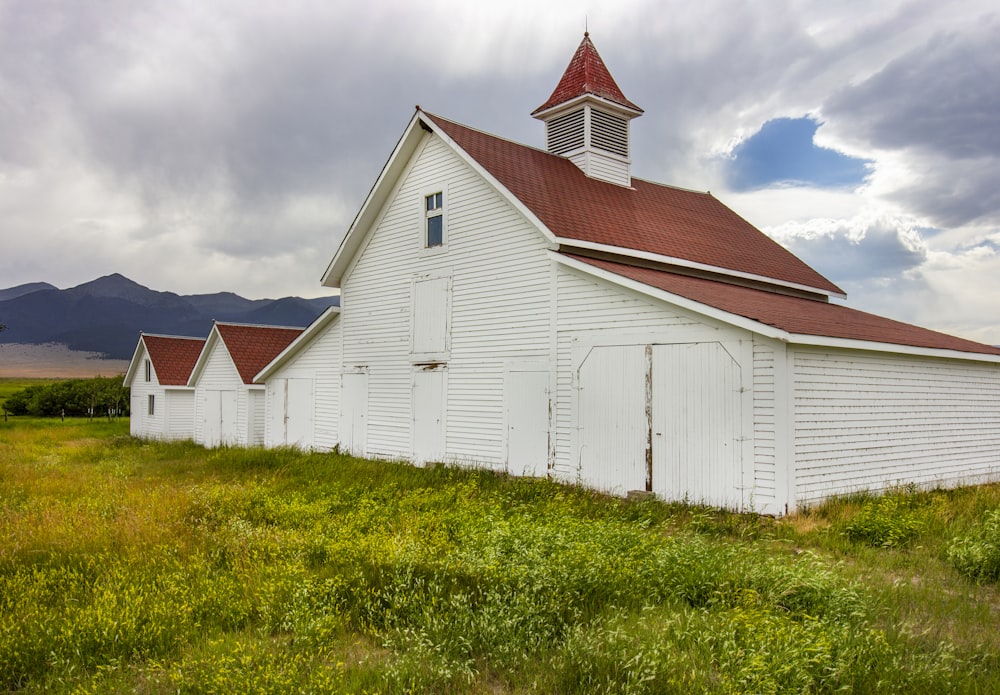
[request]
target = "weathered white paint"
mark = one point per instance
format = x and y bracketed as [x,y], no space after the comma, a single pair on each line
[870,421]
[764,495]
[354,414]
[301,416]
[227,411]
[612,422]
[526,410]
[697,441]
[173,415]
[498,302]
[429,413]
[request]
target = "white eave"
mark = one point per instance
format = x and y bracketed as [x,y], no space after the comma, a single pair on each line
[764,329]
[683,263]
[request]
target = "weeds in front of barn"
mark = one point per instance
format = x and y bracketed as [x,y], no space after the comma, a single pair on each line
[132,566]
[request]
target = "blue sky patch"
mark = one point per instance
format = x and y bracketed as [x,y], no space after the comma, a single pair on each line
[783,152]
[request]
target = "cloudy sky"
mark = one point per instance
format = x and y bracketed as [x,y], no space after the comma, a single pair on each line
[209,145]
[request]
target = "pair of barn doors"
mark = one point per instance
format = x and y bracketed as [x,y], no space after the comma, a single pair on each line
[219,408]
[290,409]
[663,418]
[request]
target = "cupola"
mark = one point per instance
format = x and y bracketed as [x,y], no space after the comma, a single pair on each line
[587,118]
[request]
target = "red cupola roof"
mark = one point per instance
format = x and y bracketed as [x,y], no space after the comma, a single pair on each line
[586,74]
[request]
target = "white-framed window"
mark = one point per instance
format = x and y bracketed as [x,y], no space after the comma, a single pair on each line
[149,371]
[434,220]
[151,404]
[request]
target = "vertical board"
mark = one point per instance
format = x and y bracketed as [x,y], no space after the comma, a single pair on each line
[526,404]
[299,413]
[697,415]
[428,414]
[612,418]
[213,418]
[354,413]
[227,417]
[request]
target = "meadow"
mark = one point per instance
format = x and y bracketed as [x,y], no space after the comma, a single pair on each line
[128,566]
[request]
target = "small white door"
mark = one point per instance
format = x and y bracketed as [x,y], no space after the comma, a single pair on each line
[213,418]
[428,414]
[299,413]
[697,424]
[612,418]
[354,413]
[276,412]
[526,405]
[227,418]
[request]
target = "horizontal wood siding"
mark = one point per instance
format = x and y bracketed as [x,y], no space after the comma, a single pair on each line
[499,306]
[219,374]
[868,422]
[318,361]
[587,308]
[764,426]
[141,424]
[180,413]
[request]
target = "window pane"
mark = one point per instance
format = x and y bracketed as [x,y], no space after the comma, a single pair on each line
[435,230]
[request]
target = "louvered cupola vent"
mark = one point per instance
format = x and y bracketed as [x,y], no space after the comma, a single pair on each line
[566,133]
[609,133]
[587,118]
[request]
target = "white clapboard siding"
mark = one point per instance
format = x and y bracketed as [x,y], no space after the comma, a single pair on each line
[219,374]
[179,413]
[318,362]
[868,422]
[141,424]
[764,406]
[499,304]
[588,308]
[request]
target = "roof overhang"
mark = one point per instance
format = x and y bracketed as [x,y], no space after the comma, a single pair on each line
[692,265]
[312,331]
[764,329]
[385,185]
[133,366]
[576,102]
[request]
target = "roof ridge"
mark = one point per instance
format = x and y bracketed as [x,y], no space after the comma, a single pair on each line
[174,337]
[258,325]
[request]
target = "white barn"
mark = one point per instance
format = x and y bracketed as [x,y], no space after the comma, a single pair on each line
[228,405]
[162,404]
[302,388]
[544,313]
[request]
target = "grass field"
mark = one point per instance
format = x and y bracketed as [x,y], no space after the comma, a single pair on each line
[163,568]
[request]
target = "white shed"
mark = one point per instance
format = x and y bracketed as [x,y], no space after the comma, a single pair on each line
[162,404]
[302,388]
[544,313]
[229,406]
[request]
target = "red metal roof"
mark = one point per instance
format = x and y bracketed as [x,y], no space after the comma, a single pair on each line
[253,347]
[792,314]
[586,74]
[173,358]
[647,217]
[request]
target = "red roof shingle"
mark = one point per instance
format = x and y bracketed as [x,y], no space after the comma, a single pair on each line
[792,314]
[648,217]
[586,74]
[173,358]
[253,347]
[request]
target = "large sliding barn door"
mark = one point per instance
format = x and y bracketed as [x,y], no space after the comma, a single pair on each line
[612,417]
[697,415]
[665,418]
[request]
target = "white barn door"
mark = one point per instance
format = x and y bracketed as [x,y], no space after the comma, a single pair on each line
[299,413]
[526,407]
[612,418]
[220,417]
[429,391]
[354,413]
[697,415]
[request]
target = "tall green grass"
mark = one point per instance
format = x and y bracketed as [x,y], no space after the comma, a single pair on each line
[129,566]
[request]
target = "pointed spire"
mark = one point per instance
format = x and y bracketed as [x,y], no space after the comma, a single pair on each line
[586,74]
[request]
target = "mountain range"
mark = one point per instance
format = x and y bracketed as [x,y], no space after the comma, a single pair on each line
[106,315]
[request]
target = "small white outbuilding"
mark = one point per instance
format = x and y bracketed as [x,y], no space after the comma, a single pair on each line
[162,403]
[229,406]
[302,388]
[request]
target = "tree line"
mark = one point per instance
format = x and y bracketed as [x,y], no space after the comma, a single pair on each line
[97,397]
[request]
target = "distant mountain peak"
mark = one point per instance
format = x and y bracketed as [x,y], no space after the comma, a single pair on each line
[21,290]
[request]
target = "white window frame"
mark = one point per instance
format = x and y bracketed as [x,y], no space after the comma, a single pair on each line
[149,371]
[426,215]
[151,404]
